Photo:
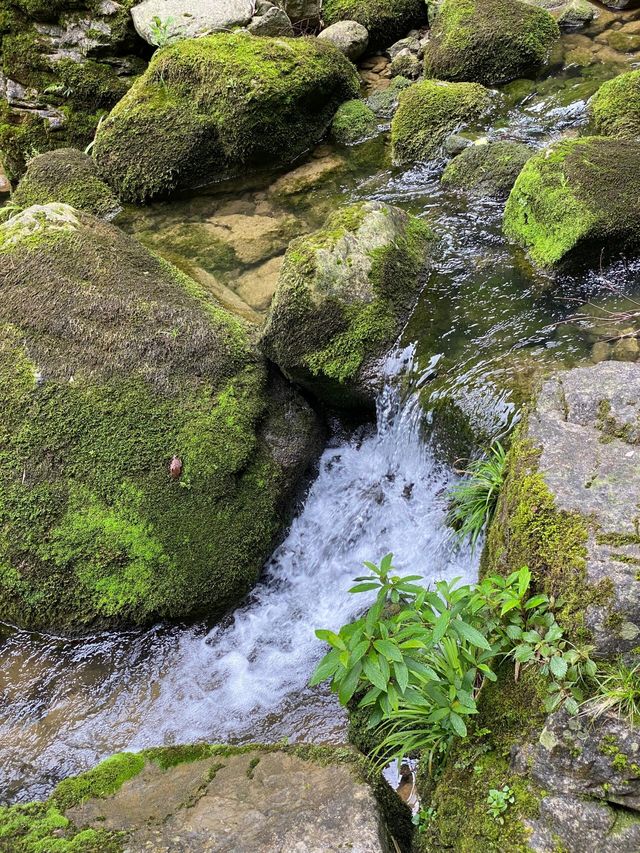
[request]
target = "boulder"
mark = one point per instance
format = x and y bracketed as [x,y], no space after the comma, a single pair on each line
[490,169]
[615,108]
[183,19]
[488,41]
[353,122]
[430,111]
[350,37]
[270,20]
[148,458]
[69,176]
[217,799]
[577,200]
[385,22]
[406,64]
[568,505]
[384,102]
[620,4]
[343,296]
[304,13]
[575,14]
[210,107]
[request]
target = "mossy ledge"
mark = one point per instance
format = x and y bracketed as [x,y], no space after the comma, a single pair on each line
[209,107]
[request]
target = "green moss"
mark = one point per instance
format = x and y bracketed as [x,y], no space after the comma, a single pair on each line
[576,196]
[429,111]
[488,41]
[487,169]
[23,59]
[386,20]
[353,122]
[42,828]
[384,102]
[90,85]
[206,107]
[615,108]
[103,781]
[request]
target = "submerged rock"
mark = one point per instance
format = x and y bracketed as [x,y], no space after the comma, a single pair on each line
[210,107]
[350,37]
[488,41]
[218,799]
[113,362]
[385,22]
[576,199]
[430,111]
[615,107]
[68,176]
[343,295]
[353,122]
[489,169]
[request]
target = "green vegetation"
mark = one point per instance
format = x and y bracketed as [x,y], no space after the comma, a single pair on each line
[473,500]
[247,97]
[498,801]
[615,107]
[431,110]
[386,20]
[353,122]
[617,693]
[489,169]
[488,41]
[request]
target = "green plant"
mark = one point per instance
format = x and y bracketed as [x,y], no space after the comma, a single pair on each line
[161,30]
[424,818]
[473,500]
[617,693]
[499,801]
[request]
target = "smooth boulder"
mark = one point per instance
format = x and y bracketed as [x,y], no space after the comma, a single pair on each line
[488,41]
[614,110]
[343,295]
[148,458]
[212,107]
[182,19]
[577,200]
[350,37]
[487,169]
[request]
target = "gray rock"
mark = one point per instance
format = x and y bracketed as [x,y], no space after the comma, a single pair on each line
[411,43]
[455,144]
[384,102]
[350,37]
[581,826]
[576,14]
[406,64]
[305,13]
[190,18]
[273,21]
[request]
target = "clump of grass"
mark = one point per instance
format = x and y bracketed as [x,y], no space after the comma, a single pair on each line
[617,693]
[473,500]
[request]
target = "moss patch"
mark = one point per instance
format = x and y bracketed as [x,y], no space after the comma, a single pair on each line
[353,122]
[487,169]
[615,107]
[386,20]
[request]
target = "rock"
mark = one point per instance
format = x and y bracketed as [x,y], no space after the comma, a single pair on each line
[455,144]
[614,110]
[406,64]
[410,43]
[623,42]
[69,176]
[217,799]
[343,296]
[576,200]
[582,827]
[384,103]
[430,111]
[385,22]
[489,169]
[354,122]
[350,37]
[308,176]
[488,41]
[272,22]
[179,127]
[576,14]
[567,508]
[257,286]
[186,19]
[620,4]
[251,239]
[5,184]
[113,362]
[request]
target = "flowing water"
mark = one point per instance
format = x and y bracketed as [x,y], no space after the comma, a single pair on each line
[486,325]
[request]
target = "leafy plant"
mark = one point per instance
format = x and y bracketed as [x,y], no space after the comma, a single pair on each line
[617,693]
[161,31]
[424,818]
[473,500]
[499,800]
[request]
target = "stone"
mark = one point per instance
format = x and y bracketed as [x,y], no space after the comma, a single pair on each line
[118,362]
[304,13]
[350,37]
[489,169]
[576,14]
[177,127]
[212,799]
[258,285]
[272,22]
[353,122]
[336,312]
[252,239]
[406,64]
[5,184]
[575,201]
[385,22]
[615,108]
[190,18]
[384,102]
[307,176]
[582,827]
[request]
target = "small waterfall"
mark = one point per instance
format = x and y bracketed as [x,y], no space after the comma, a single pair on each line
[67,704]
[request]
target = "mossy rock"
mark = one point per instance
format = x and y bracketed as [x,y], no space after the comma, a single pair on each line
[113,362]
[615,107]
[489,169]
[577,200]
[68,176]
[205,796]
[431,110]
[213,106]
[354,122]
[343,294]
[386,20]
[488,41]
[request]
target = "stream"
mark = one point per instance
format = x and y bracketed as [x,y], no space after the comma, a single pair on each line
[486,324]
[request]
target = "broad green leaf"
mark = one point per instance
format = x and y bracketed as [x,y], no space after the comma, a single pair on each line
[331,637]
[388,649]
[402,675]
[523,653]
[458,724]
[535,601]
[373,673]
[558,666]
[364,587]
[349,685]
[325,669]
[468,632]
[369,698]
[442,623]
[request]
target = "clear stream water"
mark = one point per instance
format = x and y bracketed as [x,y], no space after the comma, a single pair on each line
[486,323]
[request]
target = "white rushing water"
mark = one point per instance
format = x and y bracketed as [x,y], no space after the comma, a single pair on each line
[66,704]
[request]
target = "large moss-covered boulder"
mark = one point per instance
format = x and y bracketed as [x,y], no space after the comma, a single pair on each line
[212,106]
[343,294]
[385,20]
[577,199]
[615,107]
[68,176]
[489,169]
[147,459]
[488,41]
[431,110]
